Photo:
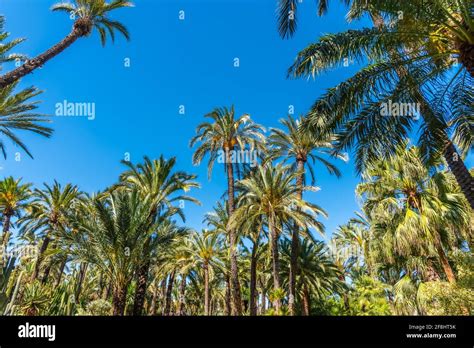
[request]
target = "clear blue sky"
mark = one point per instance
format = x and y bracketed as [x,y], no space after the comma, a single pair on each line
[173,63]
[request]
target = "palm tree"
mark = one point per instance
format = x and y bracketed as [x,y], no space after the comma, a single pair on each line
[14,197]
[17,113]
[110,233]
[158,180]
[48,214]
[419,206]
[318,275]
[220,139]
[204,249]
[297,145]
[411,59]
[5,47]
[287,13]
[270,195]
[218,221]
[89,14]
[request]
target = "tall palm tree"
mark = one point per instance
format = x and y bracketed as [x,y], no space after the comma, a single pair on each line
[204,248]
[411,62]
[158,180]
[419,206]
[47,214]
[110,233]
[318,276]
[297,145]
[17,112]
[219,139]
[14,196]
[218,221]
[270,195]
[89,14]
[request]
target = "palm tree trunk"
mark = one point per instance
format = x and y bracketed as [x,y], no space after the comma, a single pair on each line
[295,242]
[460,172]
[445,263]
[228,307]
[80,279]
[6,229]
[253,281]
[154,300]
[263,299]
[455,162]
[275,264]
[234,271]
[61,271]
[182,291]
[168,293]
[306,301]
[79,30]
[140,291]
[119,299]
[206,289]
[466,56]
[40,257]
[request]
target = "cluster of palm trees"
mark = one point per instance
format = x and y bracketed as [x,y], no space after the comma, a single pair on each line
[127,251]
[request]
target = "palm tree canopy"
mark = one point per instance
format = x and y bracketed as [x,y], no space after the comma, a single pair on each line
[271,193]
[411,54]
[159,180]
[50,208]
[224,133]
[298,144]
[6,47]
[17,112]
[95,14]
[14,195]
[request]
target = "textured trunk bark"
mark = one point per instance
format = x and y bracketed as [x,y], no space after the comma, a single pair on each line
[263,299]
[295,242]
[169,291]
[119,300]
[445,264]
[164,286]
[80,280]
[40,257]
[46,272]
[6,229]
[460,171]
[182,299]
[253,281]
[140,291]
[228,306]
[154,300]
[306,301]
[79,29]
[275,264]
[234,271]
[61,271]
[206,289]
[466,56]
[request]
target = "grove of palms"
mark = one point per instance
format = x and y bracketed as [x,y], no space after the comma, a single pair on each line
[128,248]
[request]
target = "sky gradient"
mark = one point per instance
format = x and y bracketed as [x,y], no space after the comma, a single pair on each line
[174,63]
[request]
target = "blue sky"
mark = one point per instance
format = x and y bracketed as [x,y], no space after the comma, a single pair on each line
[173,63]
